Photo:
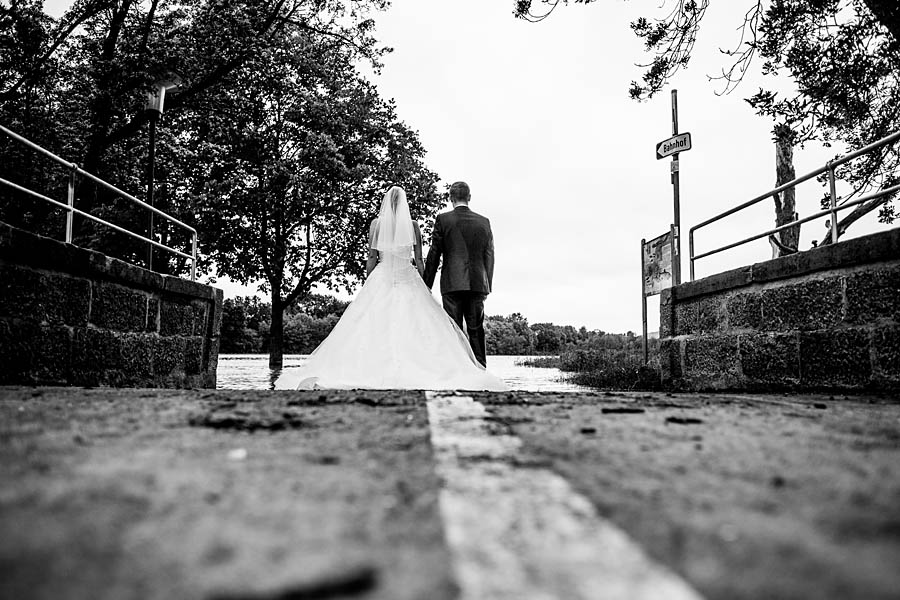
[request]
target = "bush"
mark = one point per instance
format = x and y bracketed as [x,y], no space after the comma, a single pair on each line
[544,362]
[610,369]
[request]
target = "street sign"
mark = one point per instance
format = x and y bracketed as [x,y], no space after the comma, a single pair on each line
[673,145]
[656,272]
[657,264]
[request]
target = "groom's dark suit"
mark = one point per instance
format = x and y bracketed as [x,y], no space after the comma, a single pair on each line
[463,239]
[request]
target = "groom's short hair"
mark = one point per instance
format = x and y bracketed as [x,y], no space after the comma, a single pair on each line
[459,192]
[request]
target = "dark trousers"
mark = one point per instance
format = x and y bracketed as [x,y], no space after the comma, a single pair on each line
[469,306]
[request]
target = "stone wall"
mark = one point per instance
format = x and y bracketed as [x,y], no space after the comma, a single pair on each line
[828,318]
[71,316]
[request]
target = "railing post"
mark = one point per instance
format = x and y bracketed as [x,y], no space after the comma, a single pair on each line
[644,303]
[832,203]
[691,250]
[75,172]
[194,257]
[70,216]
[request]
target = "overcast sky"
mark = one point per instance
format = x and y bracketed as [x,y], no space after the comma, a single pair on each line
[537,119]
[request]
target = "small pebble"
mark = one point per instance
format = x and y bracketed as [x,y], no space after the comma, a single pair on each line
[237,454]
[728,533]
[588,430]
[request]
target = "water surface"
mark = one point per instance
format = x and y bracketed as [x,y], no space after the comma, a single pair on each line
[251,372]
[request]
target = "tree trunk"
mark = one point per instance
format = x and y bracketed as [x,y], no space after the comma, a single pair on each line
[276,331]
[856,214]
[786,241]
[886,12]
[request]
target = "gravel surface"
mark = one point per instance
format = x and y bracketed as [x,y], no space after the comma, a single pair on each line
[744,496]
[250,495]
[154,494]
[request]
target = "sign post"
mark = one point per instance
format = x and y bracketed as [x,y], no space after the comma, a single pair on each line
[644,299]
[675,145]
[676,259]
[656,272]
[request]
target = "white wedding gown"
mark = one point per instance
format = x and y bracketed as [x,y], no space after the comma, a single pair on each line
[394,335]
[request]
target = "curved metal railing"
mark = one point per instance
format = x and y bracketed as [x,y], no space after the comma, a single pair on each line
[832,210]
[74,172]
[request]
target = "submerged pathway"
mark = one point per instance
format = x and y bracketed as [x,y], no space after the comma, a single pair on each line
[247,495]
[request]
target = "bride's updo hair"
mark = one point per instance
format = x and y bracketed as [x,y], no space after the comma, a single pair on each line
[396,193]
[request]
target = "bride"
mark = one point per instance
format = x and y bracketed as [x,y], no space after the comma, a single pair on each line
[394,335]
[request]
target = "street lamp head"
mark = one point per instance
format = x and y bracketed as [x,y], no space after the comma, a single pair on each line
[167,83]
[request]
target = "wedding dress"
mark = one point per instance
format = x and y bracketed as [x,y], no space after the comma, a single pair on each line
[394,335]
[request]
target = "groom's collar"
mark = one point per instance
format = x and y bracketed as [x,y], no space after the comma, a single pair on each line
[463,206]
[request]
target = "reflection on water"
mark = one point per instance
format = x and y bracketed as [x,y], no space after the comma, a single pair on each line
[252,372]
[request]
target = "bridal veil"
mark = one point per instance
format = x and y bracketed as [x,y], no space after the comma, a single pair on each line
[394,231]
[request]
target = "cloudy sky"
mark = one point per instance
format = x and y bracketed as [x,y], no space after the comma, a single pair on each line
[536,118]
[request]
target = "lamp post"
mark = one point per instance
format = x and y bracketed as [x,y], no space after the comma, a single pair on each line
[156,99]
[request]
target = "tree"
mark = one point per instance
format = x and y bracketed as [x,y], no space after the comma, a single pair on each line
[77,84]
[509,335]
[319,306]
[842,56]
[128,43]
[245,324]
[241,323]
[547,337]
[305,148]
[786,241]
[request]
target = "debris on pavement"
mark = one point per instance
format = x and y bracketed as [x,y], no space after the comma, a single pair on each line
[622,410]
[684,420]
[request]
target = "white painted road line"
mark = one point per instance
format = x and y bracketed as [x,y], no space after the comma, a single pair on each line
[523,532]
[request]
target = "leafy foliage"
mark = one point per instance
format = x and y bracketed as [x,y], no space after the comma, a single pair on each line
[273,146]
[77,85]
[246,324]
[304,150]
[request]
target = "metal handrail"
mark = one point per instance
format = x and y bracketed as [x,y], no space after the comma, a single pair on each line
[75,171]
[812,217]
[832,210]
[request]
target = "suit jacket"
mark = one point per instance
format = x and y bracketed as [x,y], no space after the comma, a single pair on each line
[463,239]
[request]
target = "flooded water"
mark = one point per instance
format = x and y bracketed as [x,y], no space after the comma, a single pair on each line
[251,372]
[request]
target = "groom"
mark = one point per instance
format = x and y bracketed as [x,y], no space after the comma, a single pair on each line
[463,239]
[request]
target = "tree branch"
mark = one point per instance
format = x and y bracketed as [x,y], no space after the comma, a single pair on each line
[184,98]
[90,11]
